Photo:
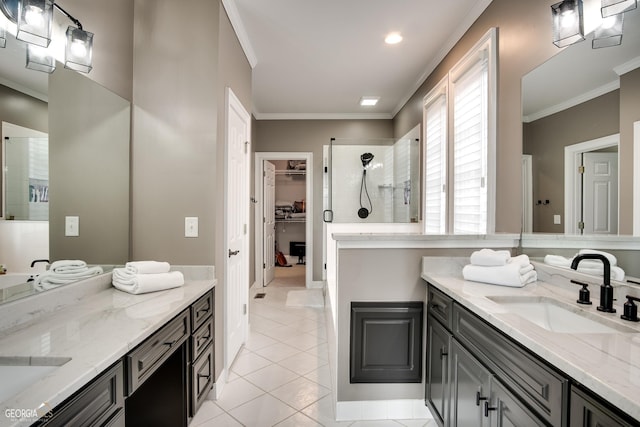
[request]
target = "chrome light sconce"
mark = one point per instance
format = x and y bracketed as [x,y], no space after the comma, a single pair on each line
[34,19]
[615,7]
[568,22]
[609,33]
[605,18]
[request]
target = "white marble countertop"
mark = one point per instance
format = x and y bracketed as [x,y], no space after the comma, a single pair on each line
[608,364]
[95,331]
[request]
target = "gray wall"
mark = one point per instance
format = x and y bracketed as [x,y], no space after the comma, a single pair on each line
[22,110]
[546,138]
[178,132]
[112,24]
[88,169]
[311,136]
[524,42]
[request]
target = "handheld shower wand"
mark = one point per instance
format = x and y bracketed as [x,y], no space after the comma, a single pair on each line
[363,212]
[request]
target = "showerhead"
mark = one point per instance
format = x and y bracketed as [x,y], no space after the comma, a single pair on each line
[366,159]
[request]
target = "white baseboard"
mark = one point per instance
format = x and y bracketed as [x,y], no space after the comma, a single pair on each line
[316,284]
[401,409]
[216,392]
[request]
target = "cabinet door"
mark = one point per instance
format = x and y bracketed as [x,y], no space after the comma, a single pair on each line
[438,341]
[586,411]
[470,386]
[506,410]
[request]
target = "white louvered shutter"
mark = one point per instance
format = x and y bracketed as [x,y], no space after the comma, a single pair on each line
[435,165]
[470,128]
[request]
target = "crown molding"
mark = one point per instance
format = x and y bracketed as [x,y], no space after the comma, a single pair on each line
[572,102]
[627,66]
[241,33]
[322,116]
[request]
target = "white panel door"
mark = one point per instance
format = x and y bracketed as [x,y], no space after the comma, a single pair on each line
[237,220]
[269,222]
[600,193]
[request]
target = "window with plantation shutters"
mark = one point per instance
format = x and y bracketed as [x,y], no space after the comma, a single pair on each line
[459,150]
[470,105]
[435,123]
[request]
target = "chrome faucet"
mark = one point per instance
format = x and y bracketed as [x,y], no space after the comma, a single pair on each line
[606,290]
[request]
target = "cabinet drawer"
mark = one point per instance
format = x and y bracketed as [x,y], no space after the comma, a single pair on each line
[145,359]
[201,338]
[101,403]
[541,387]
[201,310]
[439,306]
[202,373]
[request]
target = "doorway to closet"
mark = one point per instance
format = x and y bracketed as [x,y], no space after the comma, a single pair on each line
[283,219]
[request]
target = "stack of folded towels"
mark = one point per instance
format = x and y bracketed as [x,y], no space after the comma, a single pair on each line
[499,268]
[588,266]
[139,277]
[64,272]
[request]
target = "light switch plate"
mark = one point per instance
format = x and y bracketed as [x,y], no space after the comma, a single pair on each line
[191,226]
[72,226]
[556,219]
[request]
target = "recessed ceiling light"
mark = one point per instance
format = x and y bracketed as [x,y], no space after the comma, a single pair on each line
[393,38]
[369,101]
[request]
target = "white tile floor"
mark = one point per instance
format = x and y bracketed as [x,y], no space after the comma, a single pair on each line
[281,376]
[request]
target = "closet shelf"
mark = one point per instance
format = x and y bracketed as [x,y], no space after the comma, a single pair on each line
[289,172]
[290,221]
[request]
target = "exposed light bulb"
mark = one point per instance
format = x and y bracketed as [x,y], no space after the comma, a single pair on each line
[78,48]
[568,19]
[608,22]
[393,38]
[34,16]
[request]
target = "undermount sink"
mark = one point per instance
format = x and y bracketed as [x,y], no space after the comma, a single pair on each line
[556,316]
[18,373]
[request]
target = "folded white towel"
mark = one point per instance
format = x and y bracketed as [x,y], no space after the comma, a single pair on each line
[612,259]
[506,275]
[68,265]
[147,267]
[521,260]
[489,257]
[50,279]
[143,283]
[587,266]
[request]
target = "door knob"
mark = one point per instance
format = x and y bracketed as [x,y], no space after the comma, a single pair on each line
[232,253]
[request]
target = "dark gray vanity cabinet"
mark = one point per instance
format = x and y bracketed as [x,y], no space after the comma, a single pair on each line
[476,376]
[101,403]
[437,363]
[589,411]
[201,359]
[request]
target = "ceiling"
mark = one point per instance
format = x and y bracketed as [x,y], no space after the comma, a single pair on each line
[316,59]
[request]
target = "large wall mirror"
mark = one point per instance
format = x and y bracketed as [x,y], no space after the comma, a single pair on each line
[574,106]
[87,154]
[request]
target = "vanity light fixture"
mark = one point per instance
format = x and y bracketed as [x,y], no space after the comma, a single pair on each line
[609,33]
[369,101]
[568,22]
[34,19]
[615,7]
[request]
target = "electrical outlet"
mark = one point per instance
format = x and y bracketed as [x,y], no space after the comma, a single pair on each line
[72,226]
[191,226]
[556,219]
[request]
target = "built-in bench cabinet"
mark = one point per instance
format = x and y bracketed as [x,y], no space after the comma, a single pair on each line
[477,376]
[162,382]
